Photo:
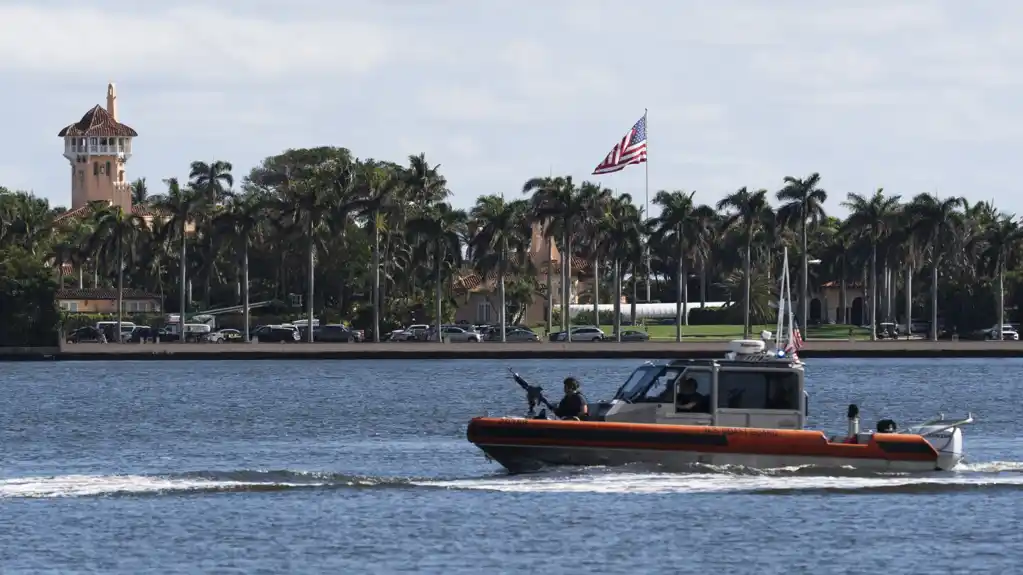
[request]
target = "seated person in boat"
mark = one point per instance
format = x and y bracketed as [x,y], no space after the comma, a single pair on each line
[573,405]
[689,399]
[779,397]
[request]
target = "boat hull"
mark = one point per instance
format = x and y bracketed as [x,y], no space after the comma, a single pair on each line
[526,445]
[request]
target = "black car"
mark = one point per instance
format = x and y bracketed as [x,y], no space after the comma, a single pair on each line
[87,334]
[276,333]
[334,333]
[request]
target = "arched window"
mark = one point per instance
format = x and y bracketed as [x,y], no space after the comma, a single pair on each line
[109,173]
[95,168]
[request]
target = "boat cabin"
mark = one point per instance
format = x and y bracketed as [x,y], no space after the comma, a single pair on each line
[750,387]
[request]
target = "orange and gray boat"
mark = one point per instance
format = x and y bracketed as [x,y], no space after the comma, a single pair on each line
[753,414]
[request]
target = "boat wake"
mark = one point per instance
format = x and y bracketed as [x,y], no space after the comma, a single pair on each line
[1007,476]
[808,480]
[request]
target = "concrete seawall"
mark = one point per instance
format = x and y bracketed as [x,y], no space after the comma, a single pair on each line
[540,350]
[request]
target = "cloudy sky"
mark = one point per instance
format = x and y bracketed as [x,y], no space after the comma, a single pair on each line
[912,96]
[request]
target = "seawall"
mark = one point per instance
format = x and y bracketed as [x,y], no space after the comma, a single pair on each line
[535,350]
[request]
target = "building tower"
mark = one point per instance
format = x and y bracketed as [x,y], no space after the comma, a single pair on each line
[98,147]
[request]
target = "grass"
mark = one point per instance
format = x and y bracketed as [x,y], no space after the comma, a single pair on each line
[730,332]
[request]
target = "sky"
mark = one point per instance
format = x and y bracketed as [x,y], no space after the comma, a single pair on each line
[909,96]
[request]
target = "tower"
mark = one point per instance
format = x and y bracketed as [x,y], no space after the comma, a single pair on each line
[98,146]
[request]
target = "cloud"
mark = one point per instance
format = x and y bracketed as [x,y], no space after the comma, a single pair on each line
[188,43]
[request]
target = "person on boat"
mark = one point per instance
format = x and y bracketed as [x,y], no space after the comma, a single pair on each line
[689,399]
[779,397]
[573,405]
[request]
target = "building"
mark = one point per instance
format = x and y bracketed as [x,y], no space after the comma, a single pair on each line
[104,300]
[478,298]
[98,146]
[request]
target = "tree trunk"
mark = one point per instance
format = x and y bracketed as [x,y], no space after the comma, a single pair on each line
[1001,298]
[685,293]
[376,277]
[843,297]
[934,300]
[804,296]
[703,283]
[245,290]
[504,303]
[120,286]
[567,257]
[596,290]
[746,289]
[679,281]
[81,276]
[184,287]
[909,299]
[312,270]
[437,299]
[873,291]
[635,295]
[550,285]
[618,300]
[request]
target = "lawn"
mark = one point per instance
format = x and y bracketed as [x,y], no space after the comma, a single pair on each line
[730,332]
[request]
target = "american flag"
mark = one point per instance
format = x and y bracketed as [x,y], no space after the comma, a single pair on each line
[630,150]
[795,341]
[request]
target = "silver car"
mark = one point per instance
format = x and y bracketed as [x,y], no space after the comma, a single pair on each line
[456,334]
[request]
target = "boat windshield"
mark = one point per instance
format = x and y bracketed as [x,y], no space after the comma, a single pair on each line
[638,381]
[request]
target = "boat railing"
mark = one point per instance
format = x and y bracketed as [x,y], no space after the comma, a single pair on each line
[939,424]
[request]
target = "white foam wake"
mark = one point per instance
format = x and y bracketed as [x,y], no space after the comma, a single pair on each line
[975,475]
[93,485]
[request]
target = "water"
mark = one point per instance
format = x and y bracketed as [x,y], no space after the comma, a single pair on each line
[363,467]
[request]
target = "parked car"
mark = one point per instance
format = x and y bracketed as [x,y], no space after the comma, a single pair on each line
[334,333]
[512,334]
[456,334]
[87,334]
[1008,333]
[226,336]
[275,333]
[581,333]
[630,335]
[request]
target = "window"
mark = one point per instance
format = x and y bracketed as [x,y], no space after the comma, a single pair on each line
[95,168]
[697,400]
[758,390]
[108,169]
[662,387]
[483,312]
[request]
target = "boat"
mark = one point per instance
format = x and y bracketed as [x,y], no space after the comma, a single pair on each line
[754,415]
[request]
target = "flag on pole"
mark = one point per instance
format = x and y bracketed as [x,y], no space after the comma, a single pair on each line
[630,150]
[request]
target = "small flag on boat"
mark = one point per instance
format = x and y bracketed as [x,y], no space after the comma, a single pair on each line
[795,342]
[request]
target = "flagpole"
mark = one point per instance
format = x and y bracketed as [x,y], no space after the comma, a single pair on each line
[646,166]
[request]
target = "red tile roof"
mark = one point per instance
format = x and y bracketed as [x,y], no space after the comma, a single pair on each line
[104,293]
[140,210]
[470,280]
[97,122]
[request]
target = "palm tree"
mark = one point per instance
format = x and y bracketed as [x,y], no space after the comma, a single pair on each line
[875,217]
[238,223]
[934,220]
[546,187]
[594,201]
[139,192]
[749,211]
[680,220]
[500,242]
[804,202]
[623,232]
[377,184]
[1003,241]
[557,202]
[113,227]
[179,206]
[439,232]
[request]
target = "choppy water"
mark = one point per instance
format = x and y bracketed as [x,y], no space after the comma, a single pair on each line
[363,467]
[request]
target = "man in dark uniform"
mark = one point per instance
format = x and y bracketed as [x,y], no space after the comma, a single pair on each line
[573,405]
[688,399]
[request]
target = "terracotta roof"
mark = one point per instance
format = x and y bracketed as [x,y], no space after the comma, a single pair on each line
[97,122]
[848,285]
[104,293]
[469,280]
[141,211]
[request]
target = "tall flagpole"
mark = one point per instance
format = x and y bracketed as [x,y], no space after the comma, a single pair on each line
[646,165]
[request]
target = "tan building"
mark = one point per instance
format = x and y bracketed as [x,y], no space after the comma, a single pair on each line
[104,300]
[98,146]
[479,301]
